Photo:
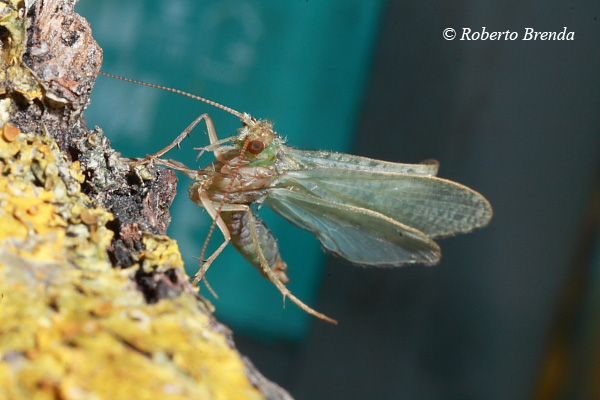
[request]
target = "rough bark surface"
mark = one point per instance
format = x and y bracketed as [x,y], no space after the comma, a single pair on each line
[94,299]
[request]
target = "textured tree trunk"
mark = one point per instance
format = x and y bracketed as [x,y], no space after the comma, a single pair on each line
[94,299]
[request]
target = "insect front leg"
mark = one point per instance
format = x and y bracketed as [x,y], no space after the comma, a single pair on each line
[212,136]
[272,276]
[212,147]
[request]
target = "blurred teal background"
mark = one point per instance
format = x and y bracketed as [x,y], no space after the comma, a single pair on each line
[267,58]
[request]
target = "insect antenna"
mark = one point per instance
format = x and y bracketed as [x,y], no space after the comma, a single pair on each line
[181,92]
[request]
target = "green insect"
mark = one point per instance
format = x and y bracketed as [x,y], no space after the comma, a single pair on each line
[367,211]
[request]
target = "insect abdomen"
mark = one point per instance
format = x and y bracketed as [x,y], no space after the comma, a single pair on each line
[239,228]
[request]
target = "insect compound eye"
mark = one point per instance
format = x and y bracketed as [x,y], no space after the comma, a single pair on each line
[256,146]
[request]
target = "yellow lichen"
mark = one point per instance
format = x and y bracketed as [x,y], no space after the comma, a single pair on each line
[5,108]
[161,252]
[76,172]
[14,75]
[73,327]
[10,132]
[9,146]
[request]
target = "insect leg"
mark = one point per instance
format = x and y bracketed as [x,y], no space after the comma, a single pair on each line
[241,239]
[215,213]
[212,136]
[272,276]
[214,140]
[212,147]
[212,211]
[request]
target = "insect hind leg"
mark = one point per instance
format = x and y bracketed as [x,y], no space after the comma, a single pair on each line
[271,275]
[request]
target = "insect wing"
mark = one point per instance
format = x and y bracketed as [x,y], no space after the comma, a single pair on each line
[434,206]
[326,159]
[356,234]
